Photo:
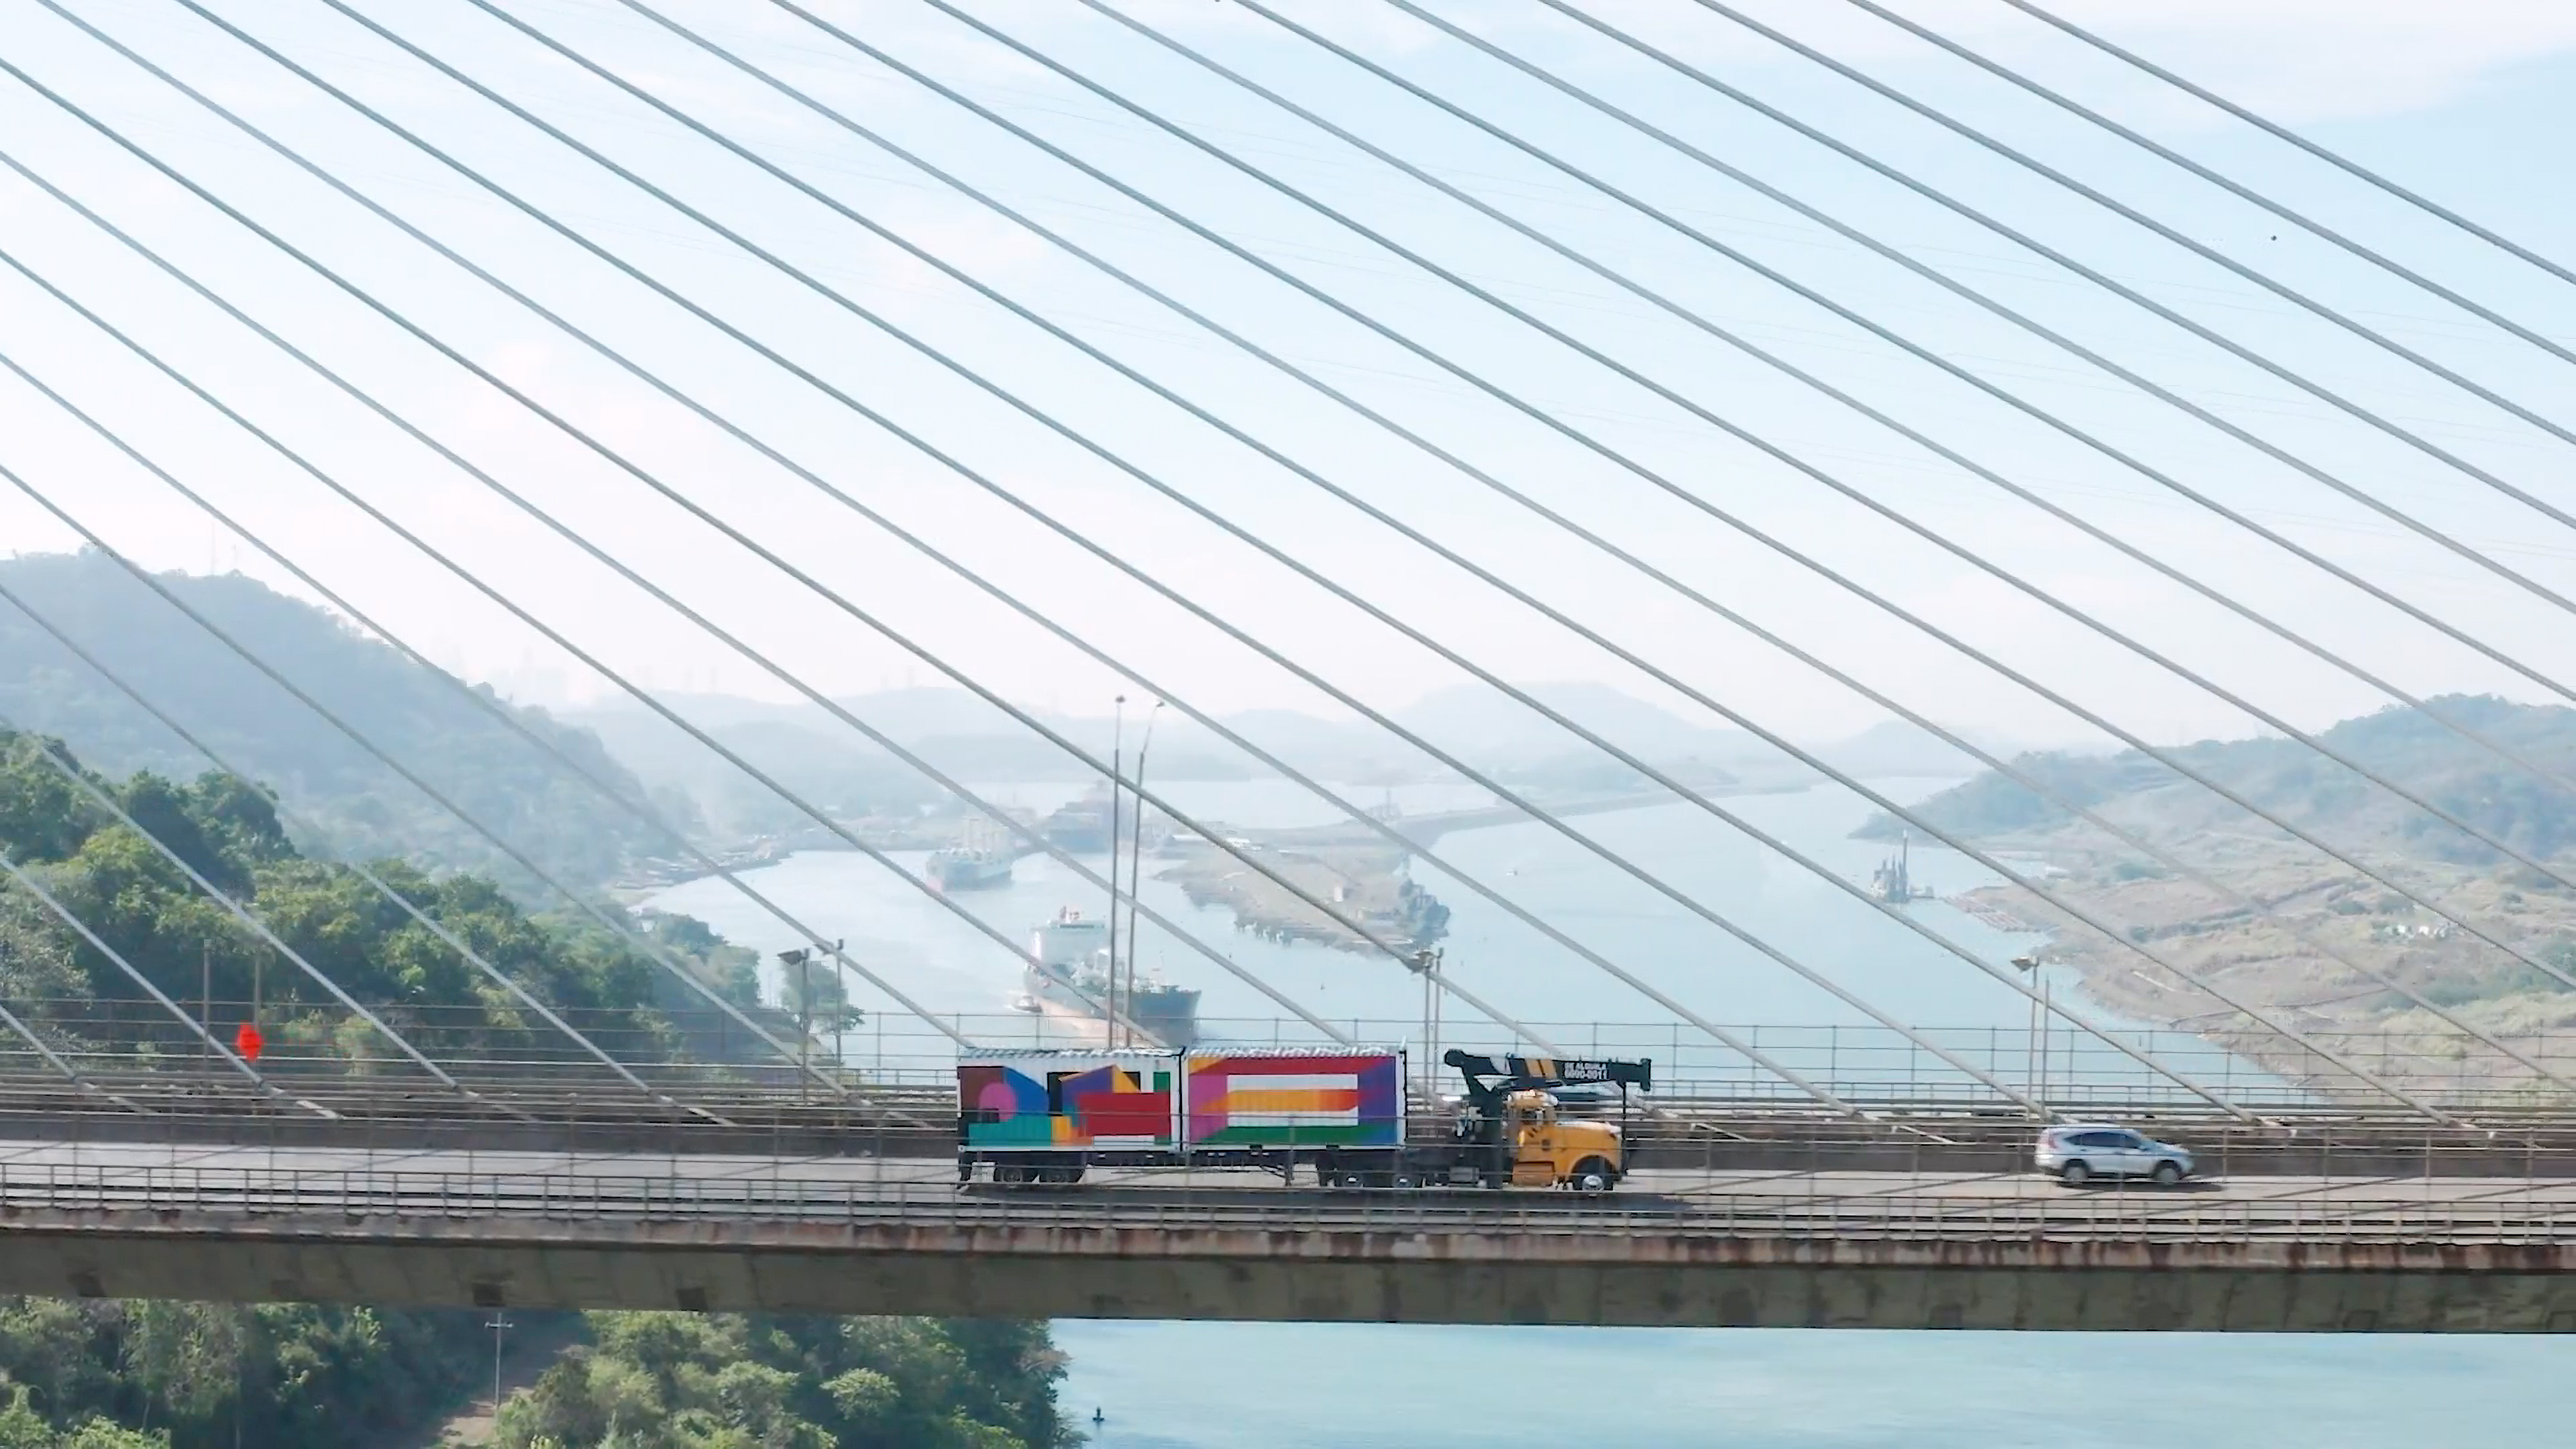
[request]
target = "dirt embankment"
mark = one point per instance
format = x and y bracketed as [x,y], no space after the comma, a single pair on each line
[1367,885]
[2349,963]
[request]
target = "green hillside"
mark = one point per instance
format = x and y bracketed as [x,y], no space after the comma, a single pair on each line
[363,809]
[145,908]
[2289,778]
[119,1375]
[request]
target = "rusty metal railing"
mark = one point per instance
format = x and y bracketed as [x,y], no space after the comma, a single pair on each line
[265,1200]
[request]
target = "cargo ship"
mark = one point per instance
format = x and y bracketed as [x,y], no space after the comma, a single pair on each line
[1069,972]
[981,861]
[963,868]
[1082,826]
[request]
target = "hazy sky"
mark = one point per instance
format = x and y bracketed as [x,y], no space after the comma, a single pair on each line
[2469,101]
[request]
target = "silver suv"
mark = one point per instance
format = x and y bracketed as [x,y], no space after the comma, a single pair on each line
[2075,1153]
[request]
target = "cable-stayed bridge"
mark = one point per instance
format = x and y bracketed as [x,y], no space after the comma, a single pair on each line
[1160,351]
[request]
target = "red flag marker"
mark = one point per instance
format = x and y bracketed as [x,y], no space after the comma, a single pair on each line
[248,1042]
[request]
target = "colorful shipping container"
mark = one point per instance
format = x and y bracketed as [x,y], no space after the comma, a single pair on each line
[1258,1099]
[1068,1101]
[1156,1107]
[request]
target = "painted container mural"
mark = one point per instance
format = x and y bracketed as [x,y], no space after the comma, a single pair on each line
[1058,1101]
[1263,1099]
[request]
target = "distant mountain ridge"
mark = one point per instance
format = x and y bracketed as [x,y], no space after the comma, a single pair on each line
[2287,777]
[977,741]
[363,808]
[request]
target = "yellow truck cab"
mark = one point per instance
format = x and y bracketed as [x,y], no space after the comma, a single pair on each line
[1551,1150]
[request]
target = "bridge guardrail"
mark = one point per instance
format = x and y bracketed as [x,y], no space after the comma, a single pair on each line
[224,1196]
[889,1051]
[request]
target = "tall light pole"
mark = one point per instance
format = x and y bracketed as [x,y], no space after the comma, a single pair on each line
[1117,785]
[1426,964]
[799,960]
[1136,864]
[2034,1048]
[840,1010]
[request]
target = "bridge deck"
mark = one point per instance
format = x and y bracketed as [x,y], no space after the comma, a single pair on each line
[881,1236]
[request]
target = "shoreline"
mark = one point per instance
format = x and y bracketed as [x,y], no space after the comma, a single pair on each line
[2276,964]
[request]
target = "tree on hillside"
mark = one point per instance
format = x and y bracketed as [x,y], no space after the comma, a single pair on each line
[731,1381]
[362,808]
[118,1375]
[147,910]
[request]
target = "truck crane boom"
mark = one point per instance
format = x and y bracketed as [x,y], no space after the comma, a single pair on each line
[1489,1079]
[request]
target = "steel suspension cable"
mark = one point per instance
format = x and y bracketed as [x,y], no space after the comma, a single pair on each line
[1627,758]
[580,900]
[1688,691]
[2308,1045]
[2280,132]
[779,563]
[57,1061]
[2225,183]
[1163,488]
[1989,304]
[2005,767]
[1558,425]
[2139,218]
[216,893]
[452,941]
[663,596]
[1879,416]
[1052,424]
[53,903]
[611,921]
[1356,813]
[53,1058]
[1006,702]
[2001,575]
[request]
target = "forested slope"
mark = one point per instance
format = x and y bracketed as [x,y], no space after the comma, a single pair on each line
[108,1375]
[2287,777]
[364,809]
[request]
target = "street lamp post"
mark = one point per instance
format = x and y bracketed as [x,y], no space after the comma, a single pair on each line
[2035,1045]
[1135,867]
[1117,789]
[799,960]
[1426,964]
[840,1014]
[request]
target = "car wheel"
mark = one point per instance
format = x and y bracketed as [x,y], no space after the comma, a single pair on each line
[2168,1174]
[2075,1174]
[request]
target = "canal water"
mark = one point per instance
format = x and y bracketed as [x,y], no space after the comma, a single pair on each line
[1291,1386]
[1334,1386]
[948,967]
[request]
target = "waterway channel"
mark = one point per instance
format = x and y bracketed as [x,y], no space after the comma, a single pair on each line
[1316,1386]
[951,969]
